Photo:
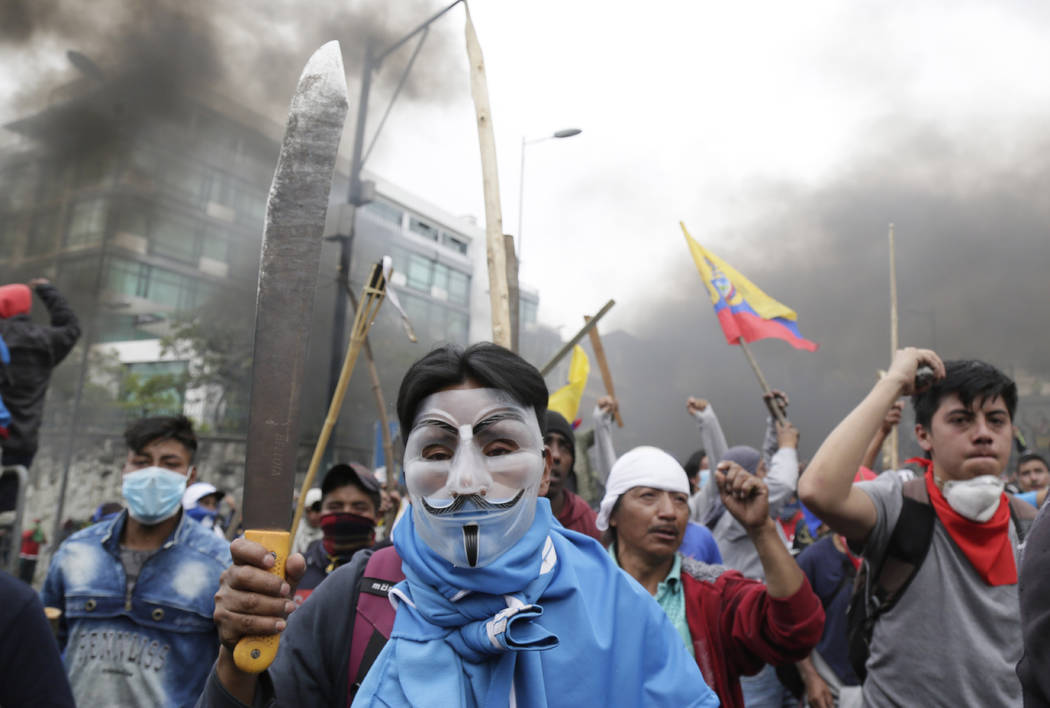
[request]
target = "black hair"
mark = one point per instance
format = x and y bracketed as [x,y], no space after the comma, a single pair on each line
[972,381]
[165,427]
[352,475]
[692,465]
[489,364]
[1029,456]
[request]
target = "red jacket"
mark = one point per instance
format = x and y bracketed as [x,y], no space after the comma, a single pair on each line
[577,516]
[736,627]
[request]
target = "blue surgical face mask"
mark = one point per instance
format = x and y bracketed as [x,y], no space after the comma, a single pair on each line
[153,494]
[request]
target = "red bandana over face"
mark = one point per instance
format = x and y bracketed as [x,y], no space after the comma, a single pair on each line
[987,546]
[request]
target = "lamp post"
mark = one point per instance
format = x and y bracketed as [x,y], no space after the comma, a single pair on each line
[565,133]
[361,191]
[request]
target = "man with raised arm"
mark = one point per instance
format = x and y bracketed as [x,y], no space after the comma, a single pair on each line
[954,635]
[731,624]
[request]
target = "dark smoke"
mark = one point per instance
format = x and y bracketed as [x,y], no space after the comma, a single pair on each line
[972,264]
[155,53]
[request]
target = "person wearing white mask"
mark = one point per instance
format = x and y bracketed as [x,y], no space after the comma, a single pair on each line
[959,616]
[137,591]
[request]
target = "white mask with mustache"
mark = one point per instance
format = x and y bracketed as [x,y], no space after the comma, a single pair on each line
[473,465]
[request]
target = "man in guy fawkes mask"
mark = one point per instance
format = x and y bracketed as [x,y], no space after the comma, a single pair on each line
[145,578]
[499,606]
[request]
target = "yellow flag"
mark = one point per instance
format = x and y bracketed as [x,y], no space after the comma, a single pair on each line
[566,400]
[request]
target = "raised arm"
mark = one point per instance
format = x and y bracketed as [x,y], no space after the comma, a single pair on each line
[65,328]
[713,441]
[892,419]
[604,452]
[827,486]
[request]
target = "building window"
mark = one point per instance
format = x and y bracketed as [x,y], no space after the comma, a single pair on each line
[456,244]
[87,223]
[173,237]
[125,277]
[423,229]
[384,211]
[458,287]
[43,236]
[215,246]
[418,272]
[527,311]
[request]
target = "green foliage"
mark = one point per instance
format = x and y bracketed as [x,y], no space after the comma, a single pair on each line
[216,339]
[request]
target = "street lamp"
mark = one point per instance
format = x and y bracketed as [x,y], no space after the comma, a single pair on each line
[564,133]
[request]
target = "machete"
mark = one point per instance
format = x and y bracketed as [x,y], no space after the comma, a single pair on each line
[291,252]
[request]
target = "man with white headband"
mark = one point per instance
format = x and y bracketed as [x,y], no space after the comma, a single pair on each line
[732,625]
[500,605]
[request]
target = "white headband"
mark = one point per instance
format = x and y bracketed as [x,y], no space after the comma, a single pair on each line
[643,466]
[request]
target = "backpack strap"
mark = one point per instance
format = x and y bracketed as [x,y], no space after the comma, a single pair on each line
[1022,514]
[373,614]
[907,548]
[877,590]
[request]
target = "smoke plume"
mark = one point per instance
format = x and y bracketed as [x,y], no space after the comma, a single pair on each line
[971,233]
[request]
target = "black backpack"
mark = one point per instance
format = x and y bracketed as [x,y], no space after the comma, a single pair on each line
[905,553]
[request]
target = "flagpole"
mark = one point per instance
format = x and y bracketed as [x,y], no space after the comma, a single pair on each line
[774,408]
[894,342]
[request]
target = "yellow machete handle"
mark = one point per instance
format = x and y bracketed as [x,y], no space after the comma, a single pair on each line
[254,654]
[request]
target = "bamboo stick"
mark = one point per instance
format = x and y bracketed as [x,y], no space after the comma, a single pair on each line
[894,342]
[603,366]
[567,347]
[373,298]
[499,296]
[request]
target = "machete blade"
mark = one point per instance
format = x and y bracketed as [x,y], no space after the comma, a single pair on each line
[291,250]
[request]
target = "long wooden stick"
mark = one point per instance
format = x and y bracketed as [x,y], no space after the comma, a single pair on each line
[499,296]
[576,339]
[603,366]
[374,291]
[774,408]
[377,392]
[894,342]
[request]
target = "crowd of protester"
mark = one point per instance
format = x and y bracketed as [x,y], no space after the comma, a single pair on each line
[739,576]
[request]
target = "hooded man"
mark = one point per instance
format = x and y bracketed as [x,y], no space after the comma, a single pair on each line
[500,605]
[732,625]
[35,350]
[569,508]
[136,591]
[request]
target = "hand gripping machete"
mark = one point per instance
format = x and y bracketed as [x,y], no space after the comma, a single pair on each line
[291,252]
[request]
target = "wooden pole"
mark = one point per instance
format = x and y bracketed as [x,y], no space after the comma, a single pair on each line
[894,342]
[499,296]
[774,408]
[603,366]
[513,293]
[576,339]
[377,392]
[373,298]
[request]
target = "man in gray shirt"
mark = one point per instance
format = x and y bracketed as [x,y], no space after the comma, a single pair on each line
[954,636]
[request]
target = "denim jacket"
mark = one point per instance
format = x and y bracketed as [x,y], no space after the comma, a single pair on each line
[153,647]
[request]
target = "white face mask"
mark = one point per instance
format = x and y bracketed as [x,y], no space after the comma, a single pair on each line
[473,465]
[976,499]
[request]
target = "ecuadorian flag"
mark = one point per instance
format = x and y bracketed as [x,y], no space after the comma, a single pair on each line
[743,310]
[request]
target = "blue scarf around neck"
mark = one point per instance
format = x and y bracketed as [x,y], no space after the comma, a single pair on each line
[482,637]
